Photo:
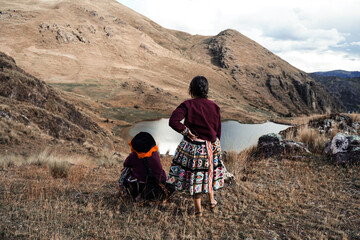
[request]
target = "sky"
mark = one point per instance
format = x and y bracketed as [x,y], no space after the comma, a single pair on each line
[312,35]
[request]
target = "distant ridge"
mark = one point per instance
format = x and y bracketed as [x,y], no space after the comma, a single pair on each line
[339,73]
[346,89]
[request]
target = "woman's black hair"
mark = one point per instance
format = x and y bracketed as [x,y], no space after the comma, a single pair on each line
[199,87]
[143,142]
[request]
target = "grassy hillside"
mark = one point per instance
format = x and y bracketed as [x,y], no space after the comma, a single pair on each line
[282,198]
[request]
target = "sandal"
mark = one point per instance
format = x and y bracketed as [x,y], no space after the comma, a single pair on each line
[213,205]
[198,214]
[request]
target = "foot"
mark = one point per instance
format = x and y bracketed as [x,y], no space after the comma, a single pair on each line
[213,204]
[198,214]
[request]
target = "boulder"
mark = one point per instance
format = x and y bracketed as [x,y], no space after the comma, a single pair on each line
[344,149]
[64,36]
[272,144]
[228,176]
[109,31]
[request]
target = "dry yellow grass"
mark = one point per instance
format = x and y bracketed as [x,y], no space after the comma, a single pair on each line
[59,169]
[334,131]
[354,116]
[311,137]
[272,199]
[298,121]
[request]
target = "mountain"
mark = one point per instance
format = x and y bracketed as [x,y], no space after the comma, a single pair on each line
[338,73]
[138,69]
[34,116]
[346,89]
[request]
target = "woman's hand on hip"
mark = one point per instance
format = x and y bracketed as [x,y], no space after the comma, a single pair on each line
[191,135]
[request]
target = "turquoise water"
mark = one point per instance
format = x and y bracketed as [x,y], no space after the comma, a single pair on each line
[234,135]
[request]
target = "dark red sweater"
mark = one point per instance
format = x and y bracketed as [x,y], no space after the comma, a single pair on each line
[202,117]
[139,170]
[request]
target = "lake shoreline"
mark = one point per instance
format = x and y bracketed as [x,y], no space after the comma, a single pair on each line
[235,136]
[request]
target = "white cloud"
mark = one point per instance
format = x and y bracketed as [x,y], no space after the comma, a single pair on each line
[300,31]
[320,61]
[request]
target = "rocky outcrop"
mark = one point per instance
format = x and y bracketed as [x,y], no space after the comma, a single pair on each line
[271,78]
[221,54]
[336,122]
[65,34]
[273,145]
[339,134]
[344,149]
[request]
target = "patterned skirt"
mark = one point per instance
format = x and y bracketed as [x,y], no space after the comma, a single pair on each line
[189,170]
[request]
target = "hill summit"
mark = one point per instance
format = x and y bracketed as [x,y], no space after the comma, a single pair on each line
[114,55]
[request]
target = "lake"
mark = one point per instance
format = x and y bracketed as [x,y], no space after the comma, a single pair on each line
[234,135]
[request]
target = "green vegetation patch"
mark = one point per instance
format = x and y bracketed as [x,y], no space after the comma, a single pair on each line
[93,90]
[131,115]
[69,87]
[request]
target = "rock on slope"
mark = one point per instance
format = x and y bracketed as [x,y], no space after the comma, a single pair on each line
[35,115]
[109,52]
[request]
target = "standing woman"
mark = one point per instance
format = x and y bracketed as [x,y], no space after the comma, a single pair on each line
[197,167]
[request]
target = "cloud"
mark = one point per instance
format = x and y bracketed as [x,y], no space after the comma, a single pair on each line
[297,30]
[321,61]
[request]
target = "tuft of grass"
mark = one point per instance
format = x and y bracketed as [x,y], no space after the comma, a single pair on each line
[59,169]
[11,160]
[304,119]
[40,159]
[355,117]
[334,131]
[7,161]
[109,159]
[237,163]
[311,137]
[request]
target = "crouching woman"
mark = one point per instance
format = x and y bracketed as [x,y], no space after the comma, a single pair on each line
[143,176]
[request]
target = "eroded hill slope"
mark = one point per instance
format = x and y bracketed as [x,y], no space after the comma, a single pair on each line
[105,50]
[34,116]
